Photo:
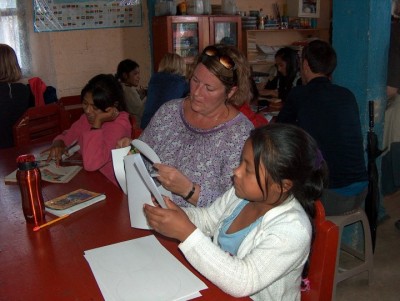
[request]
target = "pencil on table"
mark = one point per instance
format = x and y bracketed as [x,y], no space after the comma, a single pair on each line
[50,222]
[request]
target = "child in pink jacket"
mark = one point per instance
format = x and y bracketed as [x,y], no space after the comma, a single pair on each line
[97,131]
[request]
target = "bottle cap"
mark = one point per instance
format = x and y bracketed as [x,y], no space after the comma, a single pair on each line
[26,162]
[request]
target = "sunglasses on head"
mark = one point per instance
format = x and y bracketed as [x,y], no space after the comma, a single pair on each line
[223,59]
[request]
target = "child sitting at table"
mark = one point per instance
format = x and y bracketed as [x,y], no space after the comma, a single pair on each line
[288,74]
[128,73]
[262,227]
[97,131]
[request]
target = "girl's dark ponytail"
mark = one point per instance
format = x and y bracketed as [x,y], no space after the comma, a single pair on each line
[288,152]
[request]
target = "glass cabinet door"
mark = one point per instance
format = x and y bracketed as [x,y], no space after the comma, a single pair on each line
[226,30]
[225,33]
[185,39]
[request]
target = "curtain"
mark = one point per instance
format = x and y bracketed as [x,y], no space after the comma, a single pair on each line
[14,31]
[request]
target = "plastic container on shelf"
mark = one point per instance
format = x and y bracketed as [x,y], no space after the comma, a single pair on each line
[195,7]
[229,7]
[207,7]
[165,8]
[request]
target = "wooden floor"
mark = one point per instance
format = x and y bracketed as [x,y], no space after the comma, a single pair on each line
[386,281]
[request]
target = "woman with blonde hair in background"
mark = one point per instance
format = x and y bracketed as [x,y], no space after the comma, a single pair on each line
[168,83]
[14,96]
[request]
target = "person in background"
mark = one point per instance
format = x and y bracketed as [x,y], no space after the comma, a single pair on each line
[168,83]
[128,73]
[255,239]
[14,96]
[256,118]
[97,131]
[329,113]
[199,138]
[390,168]
[287,65]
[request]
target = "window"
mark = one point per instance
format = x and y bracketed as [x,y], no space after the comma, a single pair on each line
[13,31]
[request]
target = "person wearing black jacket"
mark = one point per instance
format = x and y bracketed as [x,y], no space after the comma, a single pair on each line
[14,95]
[330,114]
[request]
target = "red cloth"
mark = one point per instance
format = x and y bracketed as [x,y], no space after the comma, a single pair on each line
[37,87]
[256,119]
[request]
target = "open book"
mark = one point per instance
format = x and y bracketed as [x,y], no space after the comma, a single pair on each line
[73,201]
[136,179]
[50,173]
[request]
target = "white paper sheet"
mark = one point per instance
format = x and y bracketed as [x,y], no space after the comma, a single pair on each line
[141,269]
[146,150]
[147,179]
[138,193]
[119,168]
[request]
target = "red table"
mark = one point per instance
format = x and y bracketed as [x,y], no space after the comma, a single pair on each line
[49,264]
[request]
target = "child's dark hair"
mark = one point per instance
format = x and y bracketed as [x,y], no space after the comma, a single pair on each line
[106,91]
[124,67]
[288,152]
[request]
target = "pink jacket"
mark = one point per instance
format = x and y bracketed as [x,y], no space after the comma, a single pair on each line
[96,145]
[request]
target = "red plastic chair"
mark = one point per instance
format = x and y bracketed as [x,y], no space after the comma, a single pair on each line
[73,107]
[323,258]
[136,131]
[40,124]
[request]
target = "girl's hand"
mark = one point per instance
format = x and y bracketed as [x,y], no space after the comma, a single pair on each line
[173,180]
[110,114]
[124,142]
[142,92]
[171,222]
[57,149]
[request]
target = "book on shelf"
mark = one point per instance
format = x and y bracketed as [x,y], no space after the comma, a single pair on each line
[50,173]
[73,201]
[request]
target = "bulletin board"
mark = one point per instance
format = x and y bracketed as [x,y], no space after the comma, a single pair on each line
[59,15]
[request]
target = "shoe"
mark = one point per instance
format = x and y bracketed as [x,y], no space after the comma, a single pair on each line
[397,224]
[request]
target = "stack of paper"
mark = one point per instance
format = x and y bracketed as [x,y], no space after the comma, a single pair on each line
[142,269]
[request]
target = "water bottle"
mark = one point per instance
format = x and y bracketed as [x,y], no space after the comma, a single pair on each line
[30,184]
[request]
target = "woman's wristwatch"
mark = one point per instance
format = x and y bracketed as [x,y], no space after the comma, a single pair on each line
[190,194]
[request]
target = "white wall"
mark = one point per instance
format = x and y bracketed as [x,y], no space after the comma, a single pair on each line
[68,59]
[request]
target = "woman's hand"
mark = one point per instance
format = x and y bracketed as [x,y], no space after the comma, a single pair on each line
[171,222]
[173,180]
[57,149]
[124,142]
[110,114]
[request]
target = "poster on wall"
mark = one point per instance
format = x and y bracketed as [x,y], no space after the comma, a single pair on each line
[59,15]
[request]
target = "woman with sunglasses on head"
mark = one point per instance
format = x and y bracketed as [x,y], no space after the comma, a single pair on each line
[199,138]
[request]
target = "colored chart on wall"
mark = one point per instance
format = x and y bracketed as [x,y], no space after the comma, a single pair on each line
[59,15]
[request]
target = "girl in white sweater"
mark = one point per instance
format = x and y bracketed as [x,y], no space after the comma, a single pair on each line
[255,239]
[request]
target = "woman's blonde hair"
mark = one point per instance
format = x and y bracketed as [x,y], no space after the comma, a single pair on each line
[10,71]
[239,76]
[172,63]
